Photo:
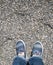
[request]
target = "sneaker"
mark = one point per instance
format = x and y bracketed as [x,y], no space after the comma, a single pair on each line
[37,49]
[21,49]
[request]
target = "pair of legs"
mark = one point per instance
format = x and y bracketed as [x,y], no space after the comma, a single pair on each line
[36,54]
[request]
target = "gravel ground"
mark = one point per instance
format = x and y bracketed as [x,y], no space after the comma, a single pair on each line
[29,20]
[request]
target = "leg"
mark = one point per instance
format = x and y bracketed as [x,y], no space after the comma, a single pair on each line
[19,61]
[35,61]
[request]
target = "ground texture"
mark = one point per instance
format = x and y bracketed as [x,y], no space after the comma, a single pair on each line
[29,20]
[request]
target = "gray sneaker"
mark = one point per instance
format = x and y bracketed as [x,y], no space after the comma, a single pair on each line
[37,49]
[21,48]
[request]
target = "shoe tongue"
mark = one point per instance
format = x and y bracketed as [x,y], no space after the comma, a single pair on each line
[37,49]
[36,52]
[20,49]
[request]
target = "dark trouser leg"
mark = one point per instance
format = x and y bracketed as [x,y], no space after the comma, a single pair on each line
[35,61]
[19,61]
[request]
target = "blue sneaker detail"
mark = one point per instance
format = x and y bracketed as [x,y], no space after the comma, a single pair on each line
[37,49]
[20,47]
